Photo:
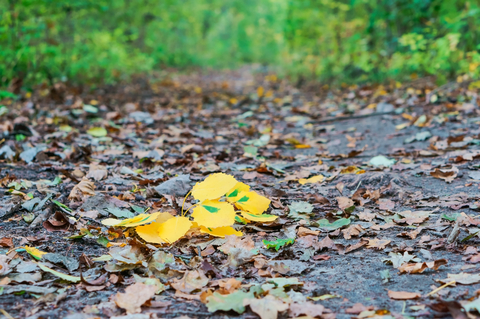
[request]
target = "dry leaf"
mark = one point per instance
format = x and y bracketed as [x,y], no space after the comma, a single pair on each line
[366,215]
[403,295]
[97,172]
[416,268]
[266,308]
[83,189]
[191,281]
[134,297]
[378,243]
[448,175]
[306,308]
[352,230]
[344,202]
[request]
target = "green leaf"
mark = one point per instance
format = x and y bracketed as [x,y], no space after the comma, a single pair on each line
[97,132]
[59,274]
[61,205]
[278,243]
[450,218]
[285,282]
[381,160]
[326,225]
[102,241]
[300,210]
[233,301]
[90,108]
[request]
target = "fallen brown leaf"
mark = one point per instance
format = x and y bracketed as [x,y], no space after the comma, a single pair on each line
[134,297]
[416,268]
[403,295]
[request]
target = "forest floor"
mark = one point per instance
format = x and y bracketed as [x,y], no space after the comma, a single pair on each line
[376,190]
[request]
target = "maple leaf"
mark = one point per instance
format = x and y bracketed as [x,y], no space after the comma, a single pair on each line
[131,222]
[416,268]
[266,308]
[252,202]
[191,281]
[378,243]
[353,230]
[397,259]
[214,214]
[134,297]
[213,187]
[82,189]
[239,250]
[233,301]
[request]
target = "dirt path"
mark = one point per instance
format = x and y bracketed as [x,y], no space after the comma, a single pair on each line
[357,223]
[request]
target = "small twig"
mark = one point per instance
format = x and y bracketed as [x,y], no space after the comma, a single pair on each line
[6,314]
[441,287]
[353,117]
[454,234]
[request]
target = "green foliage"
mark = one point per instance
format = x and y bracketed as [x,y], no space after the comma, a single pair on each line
[278,243]
[102,41]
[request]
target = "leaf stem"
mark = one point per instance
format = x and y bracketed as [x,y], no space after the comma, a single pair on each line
[183,204]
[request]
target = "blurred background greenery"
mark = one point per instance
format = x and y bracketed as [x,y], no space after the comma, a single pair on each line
[351,41]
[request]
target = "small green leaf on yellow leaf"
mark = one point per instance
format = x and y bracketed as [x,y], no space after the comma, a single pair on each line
[311,180]
[131,222]
[34,252]
[233,194]
[214,214]
[213,187]
[221,231]
[259,218]
[252,202]
[174,229]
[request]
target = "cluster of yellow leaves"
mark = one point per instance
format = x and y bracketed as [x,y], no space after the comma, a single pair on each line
[220,197]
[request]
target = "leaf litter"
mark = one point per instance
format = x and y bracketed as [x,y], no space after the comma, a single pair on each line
[186,201]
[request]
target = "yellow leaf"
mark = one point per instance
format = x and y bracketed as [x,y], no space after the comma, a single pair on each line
[311,180]
[221,231]
[174,229]
[150,233]
[259,218]
[97,132]
[163,217]
[252,202]
[232,195]
[302,146]
[214,214]
[213,187]
[260,91]
[131,222]
[34,252]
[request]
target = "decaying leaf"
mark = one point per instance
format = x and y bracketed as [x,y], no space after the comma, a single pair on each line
[267,307]
[82,189]
[378,243]
[233,301]
[403,295]
[191,281]
[415,268]
[134,297]
[448,174]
